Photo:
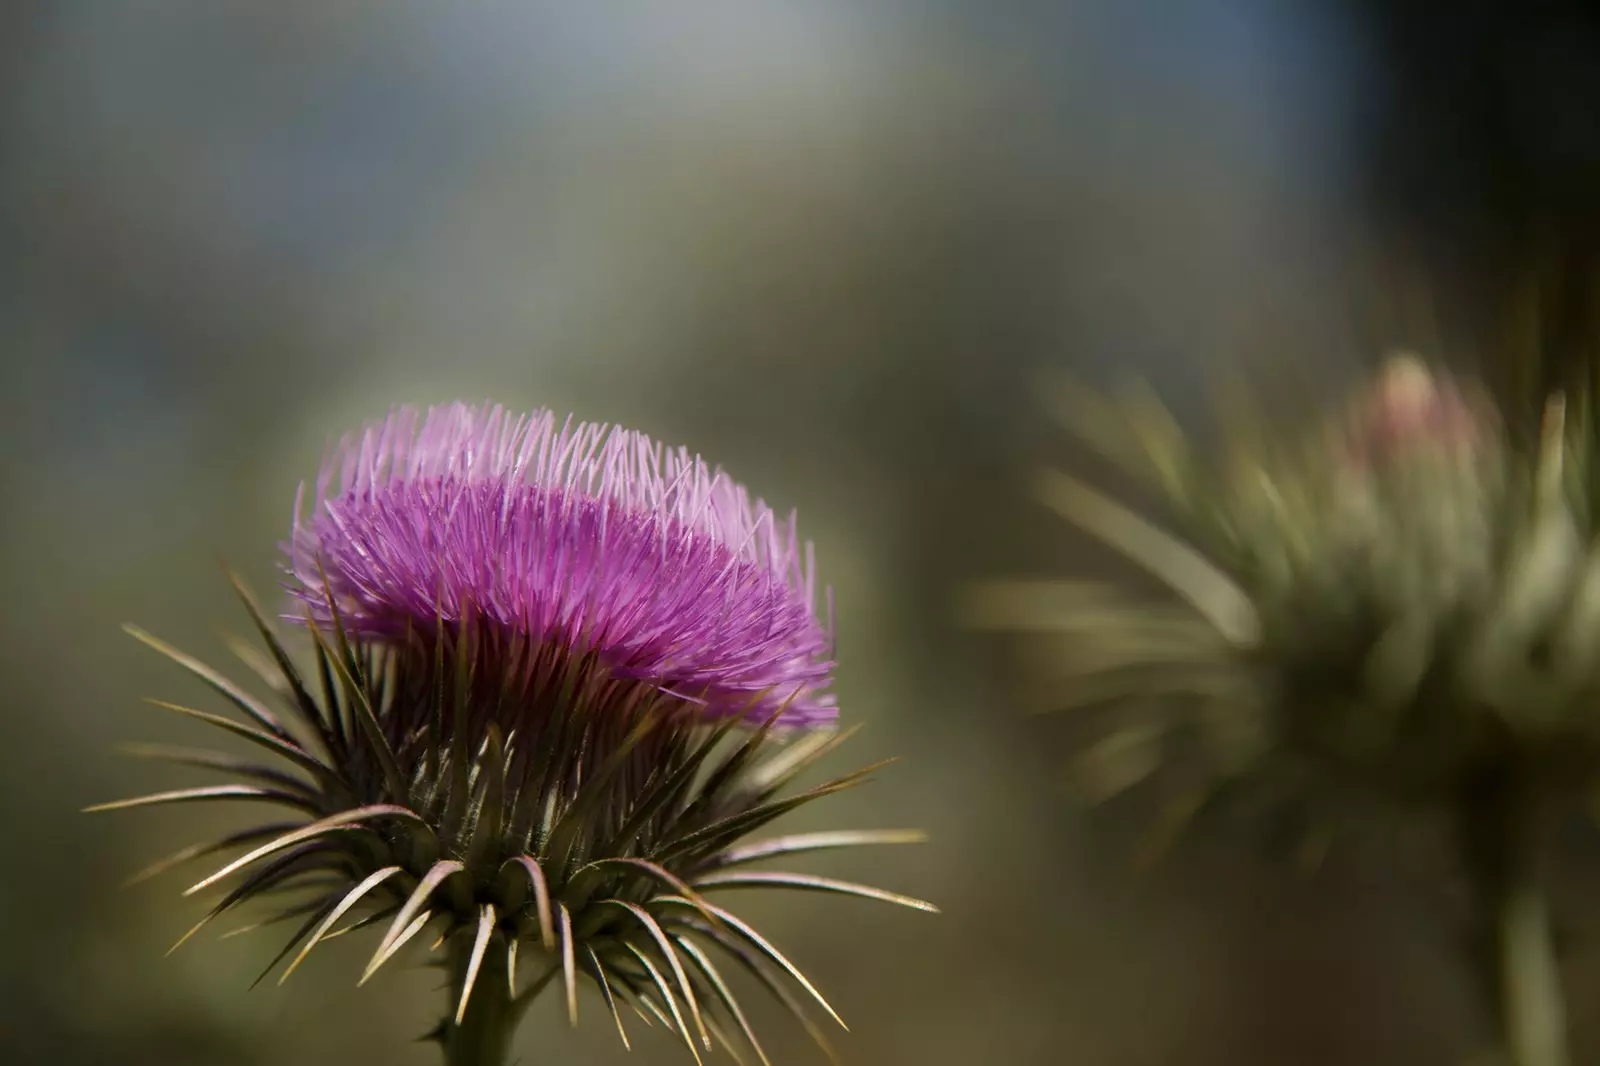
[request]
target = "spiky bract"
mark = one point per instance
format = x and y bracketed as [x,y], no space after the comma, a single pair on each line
[506,742]
[584,842]
[1405,596]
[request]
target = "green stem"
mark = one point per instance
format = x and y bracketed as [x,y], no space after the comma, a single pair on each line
[485,1034]
[1501,841]
[1535,1023]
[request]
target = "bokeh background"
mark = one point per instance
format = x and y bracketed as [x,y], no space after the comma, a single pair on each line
[830,245]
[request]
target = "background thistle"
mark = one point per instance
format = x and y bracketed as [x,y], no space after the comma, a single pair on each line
[558,676]
[1404,602]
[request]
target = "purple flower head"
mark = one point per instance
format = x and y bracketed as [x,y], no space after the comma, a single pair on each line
[531,648]
[568,536]
[1410,407]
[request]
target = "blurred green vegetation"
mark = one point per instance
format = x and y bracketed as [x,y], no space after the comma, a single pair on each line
[830,247]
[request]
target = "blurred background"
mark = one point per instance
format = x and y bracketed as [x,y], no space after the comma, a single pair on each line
[829,245]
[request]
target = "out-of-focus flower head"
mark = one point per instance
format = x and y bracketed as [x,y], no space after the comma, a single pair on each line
[559,674]
[1393,599]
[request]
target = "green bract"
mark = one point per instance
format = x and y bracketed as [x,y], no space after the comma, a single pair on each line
[1402,597]
[585,843]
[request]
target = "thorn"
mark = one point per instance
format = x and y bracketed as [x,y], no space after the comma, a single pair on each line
[184,939]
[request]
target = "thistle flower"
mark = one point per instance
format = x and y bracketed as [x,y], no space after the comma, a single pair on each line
[559,674]
[1405,601]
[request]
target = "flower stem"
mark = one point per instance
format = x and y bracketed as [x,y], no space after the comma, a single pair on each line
[484,1036]
[1501,837]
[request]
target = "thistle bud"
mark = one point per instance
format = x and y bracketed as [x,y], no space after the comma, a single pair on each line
[1398,597]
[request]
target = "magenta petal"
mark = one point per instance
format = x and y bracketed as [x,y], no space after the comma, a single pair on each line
[573,534]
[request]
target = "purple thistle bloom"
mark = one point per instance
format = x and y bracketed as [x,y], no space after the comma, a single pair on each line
[570,536]
[534,648]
